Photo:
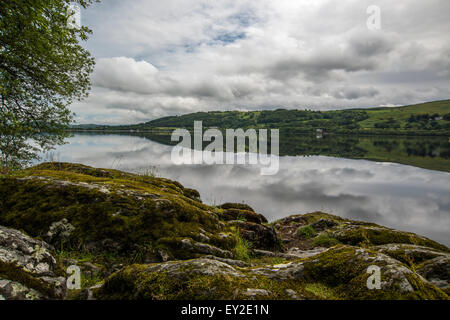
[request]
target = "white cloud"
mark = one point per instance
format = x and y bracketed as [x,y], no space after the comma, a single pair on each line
[161,58]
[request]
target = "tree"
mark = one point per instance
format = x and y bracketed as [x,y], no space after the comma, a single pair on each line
[43,69]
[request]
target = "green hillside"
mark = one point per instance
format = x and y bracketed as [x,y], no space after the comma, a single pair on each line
[432,118]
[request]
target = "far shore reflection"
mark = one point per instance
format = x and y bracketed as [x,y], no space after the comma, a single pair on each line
[396,195]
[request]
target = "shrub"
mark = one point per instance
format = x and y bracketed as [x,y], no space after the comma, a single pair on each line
[242,249]
[325,240]
[306,232]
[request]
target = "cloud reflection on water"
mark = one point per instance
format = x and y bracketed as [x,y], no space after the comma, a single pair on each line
[395,195]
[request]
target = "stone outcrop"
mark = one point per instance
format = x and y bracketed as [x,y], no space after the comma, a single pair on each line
[143,237]
[437,272]
[329,230]
[28,269]
[341,270]
[258,235]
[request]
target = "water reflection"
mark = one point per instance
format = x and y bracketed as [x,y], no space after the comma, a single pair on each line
[395,195]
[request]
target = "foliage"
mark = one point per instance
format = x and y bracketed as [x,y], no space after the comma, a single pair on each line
[242,249]
[135,213]
[43,69]
[384,121]
[306,232]
[429,152]
[325,240]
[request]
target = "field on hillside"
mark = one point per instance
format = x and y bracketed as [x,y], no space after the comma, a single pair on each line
[432,118]
[402,114]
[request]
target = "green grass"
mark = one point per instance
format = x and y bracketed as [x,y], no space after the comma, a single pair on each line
[360,120]
[398,150]
[325,240]
[320,291]
[242,248]
[403,113]
[306,232]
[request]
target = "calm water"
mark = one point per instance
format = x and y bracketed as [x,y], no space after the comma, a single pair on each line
[395,195]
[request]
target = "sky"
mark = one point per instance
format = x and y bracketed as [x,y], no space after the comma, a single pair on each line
[158,58]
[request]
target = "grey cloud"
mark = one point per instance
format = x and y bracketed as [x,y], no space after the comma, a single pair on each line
[352,93]
[362,214]
[178,56]
[318,68]
[351,173]
[367,44]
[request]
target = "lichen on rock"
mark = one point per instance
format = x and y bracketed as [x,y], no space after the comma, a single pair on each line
[143,237]
[28,270]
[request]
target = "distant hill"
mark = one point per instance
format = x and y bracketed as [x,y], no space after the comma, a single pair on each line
[89,126]
[432,118]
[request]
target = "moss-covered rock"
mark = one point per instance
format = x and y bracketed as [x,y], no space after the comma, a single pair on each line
[376,235]
[28,269]
[338,273]
[240,206]
[194,280]
[110,211]
[410,254]
[437,272]
[346,231]
[243,215]
[142,237]
[344,269]
[192,194]
[257,235]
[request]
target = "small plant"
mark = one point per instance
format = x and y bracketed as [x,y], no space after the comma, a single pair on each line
[365,243]
[306,232]
[4,170]
[321,291]
[410,261]
[241,217]
[51,156]
[116,162]
[149,172]
[325,240]
[141,252]
[242,248]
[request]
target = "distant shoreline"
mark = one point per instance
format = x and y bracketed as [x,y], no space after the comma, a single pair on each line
[426,119]
[283,130]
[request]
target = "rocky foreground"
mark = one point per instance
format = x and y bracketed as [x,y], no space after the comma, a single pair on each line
[142,237]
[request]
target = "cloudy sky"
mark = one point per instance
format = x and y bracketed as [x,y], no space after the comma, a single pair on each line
[157,58]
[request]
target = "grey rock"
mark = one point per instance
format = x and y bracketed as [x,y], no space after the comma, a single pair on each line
[209,249]
[297,253]
[202,238]
[34,258]
[231,262]
[292,294]
[32,255]
[254,293]
[11,290]
[259,236]
[89,292]
[204,248]
[163,255]
[437,271]
[59,232]
[281,272]
[293,253]
[202,266]
[394,273]
[416,253]
[323,224]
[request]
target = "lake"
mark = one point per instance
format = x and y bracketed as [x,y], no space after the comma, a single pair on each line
[399,182]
